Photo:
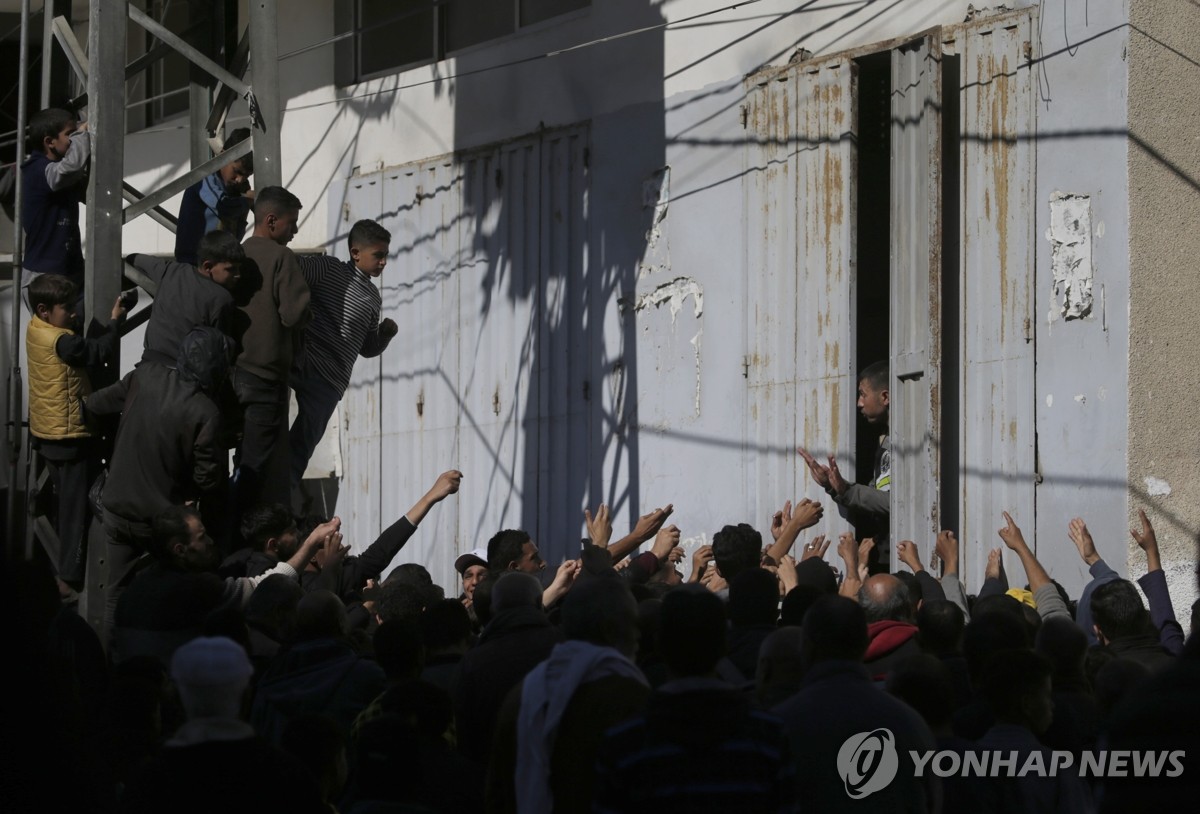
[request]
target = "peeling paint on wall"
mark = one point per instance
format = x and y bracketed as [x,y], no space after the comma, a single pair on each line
[672,293]
[1156,487]
[656,195]
[1070,236]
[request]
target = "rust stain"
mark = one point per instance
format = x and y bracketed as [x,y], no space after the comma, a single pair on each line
[835,412]
[1001,156]
[1012,430]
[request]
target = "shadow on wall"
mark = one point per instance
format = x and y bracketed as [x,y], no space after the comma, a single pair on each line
[552,228]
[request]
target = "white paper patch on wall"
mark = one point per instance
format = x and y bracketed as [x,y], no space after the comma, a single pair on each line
[1156,487]
[1070,236]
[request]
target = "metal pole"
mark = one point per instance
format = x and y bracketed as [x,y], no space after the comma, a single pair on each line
[264,70]
[47,49]
[106,120]
[16,405]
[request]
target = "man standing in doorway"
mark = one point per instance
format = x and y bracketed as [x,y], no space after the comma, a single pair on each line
[866,506]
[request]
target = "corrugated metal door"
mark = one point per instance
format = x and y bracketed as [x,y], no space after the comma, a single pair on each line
[419,397]
[914,415]
[498,313]
[564,398]
[827,286]
[997,342]
[801,220]
[772,320]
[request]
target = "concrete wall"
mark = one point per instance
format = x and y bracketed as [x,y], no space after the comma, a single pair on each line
[1164,285]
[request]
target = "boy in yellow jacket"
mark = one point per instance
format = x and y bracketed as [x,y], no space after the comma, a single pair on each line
[58,359]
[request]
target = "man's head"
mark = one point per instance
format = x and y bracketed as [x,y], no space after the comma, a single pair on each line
[52,297]
[220,256]
[236,174]
[835,628]
[692,631]
[211,674]
[1117,611]
[369,247]
[445,627]
[516,589]
[50,132]
[780,661]
[472,567]
[1017,686]
[941,625]
[276,213]
[602,611]
[271,529]
[321,615]
[883,596]
[873,387]
[753,599]
[514,550]
[180,540]
[736,549]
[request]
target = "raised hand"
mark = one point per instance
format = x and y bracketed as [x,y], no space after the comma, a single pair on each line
[446,484]
[787,573]
[906,551]
[836,481]
[994,565]
[816,548]
[820,474]
[1147,540]
[700,560]
[806,514]
[1011,534]
[780,519]
[947,550]
[1077,530]
[599,527]
[666,539]
[649,524]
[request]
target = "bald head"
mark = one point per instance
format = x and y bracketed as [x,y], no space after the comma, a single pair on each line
[516,589]
[885,597]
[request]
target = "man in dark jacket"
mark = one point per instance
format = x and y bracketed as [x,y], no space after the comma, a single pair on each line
[167,603]
[700,746]
[270,529]
[516,639]
[188,296]
[1123,626]
[167,449]
[321,674]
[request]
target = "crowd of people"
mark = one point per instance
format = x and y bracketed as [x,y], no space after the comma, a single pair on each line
[249,662]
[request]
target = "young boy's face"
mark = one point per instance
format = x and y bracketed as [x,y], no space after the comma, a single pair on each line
[370,259]
[57,146]
[225,275]
[282,228]
[60,316]
[235,178]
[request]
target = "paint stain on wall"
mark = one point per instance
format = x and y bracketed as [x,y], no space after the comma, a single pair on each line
[656,195]
[673,294]
[1070,236]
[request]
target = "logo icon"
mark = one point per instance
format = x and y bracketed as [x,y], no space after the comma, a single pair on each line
[868,762]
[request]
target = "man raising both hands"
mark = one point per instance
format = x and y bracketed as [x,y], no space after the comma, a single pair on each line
[867,506]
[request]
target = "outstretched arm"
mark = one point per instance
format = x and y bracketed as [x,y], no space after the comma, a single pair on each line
[1154,585]
[1101,573]
[806,514]
[647,526]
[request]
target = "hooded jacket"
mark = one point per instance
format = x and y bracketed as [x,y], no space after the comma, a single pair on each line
[890,642]
[167,449]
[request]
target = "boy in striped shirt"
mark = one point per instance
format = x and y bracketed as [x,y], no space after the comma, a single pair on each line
[346,311]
